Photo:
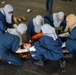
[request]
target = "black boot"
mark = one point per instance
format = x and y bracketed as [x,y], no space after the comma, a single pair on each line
[62,64]
[39,63]
[68,55]
[3,61]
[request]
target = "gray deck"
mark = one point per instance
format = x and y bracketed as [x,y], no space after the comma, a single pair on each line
[38,7]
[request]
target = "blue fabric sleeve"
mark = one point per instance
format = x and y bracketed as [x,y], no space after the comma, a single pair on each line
[46,21]
[2,26]
[15,44]
[29,29]
[46,43]
[49,43]
[50,19]
[73,34]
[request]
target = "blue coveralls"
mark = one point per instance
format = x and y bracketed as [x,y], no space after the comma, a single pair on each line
[4,25]
[49,5]
[50,19]
[30,29]
[47,48]
[71,42]
[8,46]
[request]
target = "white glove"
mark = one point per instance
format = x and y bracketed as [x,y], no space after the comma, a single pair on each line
[66,29]
[15,25]
[64,34]
[32,48]
[22,50]
[63,45]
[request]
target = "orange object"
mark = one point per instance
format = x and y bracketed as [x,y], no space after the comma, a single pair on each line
[15,19]
[19,20]
[24,55]
[37,36]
